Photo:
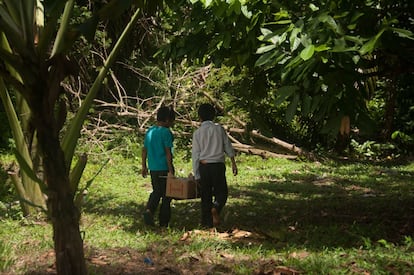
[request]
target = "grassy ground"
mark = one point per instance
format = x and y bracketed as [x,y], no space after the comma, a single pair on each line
[282,217]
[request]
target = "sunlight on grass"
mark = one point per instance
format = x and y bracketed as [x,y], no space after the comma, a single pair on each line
[315,218]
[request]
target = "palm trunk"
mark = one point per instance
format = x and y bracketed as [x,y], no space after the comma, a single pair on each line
[62,210]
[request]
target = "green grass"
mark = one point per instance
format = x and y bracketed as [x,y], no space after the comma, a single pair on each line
[282,215]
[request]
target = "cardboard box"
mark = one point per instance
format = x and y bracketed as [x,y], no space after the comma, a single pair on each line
[181,188]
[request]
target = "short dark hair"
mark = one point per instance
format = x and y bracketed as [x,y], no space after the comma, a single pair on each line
[165,113]
[206,111]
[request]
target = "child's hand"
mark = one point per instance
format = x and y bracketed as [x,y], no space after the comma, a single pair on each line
[234,168]
[144,172]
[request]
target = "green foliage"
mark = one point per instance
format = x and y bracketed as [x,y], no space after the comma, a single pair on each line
[371,150]
[6,258]
[332,53]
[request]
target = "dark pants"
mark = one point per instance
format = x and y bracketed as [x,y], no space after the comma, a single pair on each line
[213,183]
[159,182]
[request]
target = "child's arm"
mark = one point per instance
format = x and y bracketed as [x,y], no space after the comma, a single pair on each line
[229,150]
[195,156]
[169,160]
[234,166]
[144,170]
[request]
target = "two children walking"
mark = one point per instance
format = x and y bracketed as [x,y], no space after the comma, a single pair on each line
[210,145]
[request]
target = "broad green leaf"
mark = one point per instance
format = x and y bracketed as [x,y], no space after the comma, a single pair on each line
[395,134]
[341,46]
[300,72]
[294,40]
[322,48]
[316,101]
[274,38]
[293,62]
[246,12]
[356,39]
[403,33]
[226,40]
[281,14]
[313,7]
[11,29]
[14,123]
[27,20]
[26,167]
[48,33]
[76,172]
[295,44]
[265,49]
[356,59]
[292,107]
[59,44]
[284,93]
[370,45]
[265,31]
[334,26]
[265,59]
[282,22]
[306,105]
[307,52]
[328,20]
[281,38]
[356,16]
[351,26]
[291,65]
[207,3]
[305,40]
[32,188]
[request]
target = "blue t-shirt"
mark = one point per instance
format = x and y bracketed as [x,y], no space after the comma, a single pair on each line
[156,140]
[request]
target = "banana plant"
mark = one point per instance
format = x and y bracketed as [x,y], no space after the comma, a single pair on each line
[34,60]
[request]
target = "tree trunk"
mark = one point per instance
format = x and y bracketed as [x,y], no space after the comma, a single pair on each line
[61,208]
[63,213]
[343,137]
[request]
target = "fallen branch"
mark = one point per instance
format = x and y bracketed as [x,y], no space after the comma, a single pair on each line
[251,150]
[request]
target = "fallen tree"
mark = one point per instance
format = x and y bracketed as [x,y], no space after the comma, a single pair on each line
[124,108]
[261,145]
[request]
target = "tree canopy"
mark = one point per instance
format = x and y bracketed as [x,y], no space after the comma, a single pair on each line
[322,61]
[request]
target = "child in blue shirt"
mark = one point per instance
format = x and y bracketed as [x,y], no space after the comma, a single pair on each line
[157,151]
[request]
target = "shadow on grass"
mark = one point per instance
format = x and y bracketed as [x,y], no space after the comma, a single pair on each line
[328,207]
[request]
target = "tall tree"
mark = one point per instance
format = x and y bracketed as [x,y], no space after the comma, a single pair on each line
[34,62]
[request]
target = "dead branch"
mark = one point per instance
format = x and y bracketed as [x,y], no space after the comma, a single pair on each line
[221,108]
[251,150]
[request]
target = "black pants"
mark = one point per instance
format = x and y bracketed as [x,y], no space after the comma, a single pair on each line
[159,182]
[213,184]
